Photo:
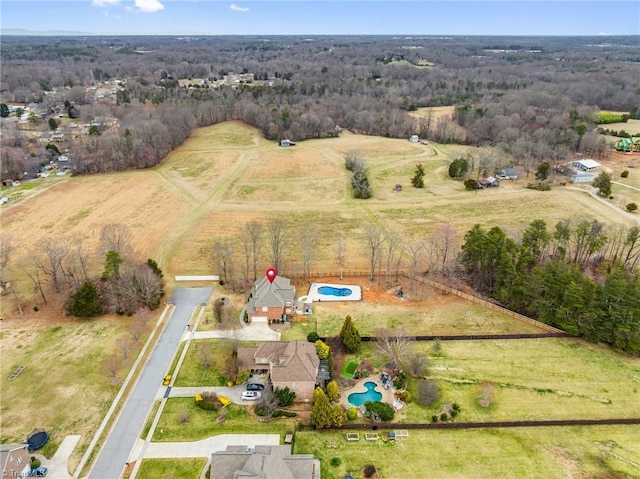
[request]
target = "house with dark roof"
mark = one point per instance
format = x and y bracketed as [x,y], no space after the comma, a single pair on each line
[271,300]
[292,364]
[15,460]
[263,462]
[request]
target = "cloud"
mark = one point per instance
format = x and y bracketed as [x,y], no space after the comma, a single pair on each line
[149,6]
[104,3]
[236,8]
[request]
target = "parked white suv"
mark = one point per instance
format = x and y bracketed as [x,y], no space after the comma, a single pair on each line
[250,395]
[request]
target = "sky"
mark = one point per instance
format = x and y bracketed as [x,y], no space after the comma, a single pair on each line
[327,17]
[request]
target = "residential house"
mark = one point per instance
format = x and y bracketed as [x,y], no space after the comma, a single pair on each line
[586,165]
[483,183]
[263,462]
[414,138]
[291,364]
[493,181]
[271,300]
[508,174]
[287,142]
[15,460]
[629,144]
[7,182]
[582,177]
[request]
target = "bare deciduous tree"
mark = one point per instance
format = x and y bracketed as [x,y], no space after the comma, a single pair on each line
[223,258]
[123,346]
[36,279]
[54,252]
[416,250]
[115,237]
[443,249]
[373,238]
[252,236]
[111,367]
[340,253]
[7,247]
[205,354]
[276,233]
[308,245]
[394,344]
[137,330]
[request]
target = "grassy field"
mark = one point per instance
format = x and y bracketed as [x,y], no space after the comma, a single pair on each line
[171,468]
[202,424]
[64,388]
[438,315]
[523,453]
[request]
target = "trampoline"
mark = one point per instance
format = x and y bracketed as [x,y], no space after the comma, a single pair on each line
[37,439]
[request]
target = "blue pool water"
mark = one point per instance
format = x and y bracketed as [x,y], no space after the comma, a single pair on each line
[331,291]
[358,399]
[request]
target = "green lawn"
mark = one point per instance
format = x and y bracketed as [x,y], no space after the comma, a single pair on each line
[202,424]
[193,374]
[459,317]
[171,468]
[523,453]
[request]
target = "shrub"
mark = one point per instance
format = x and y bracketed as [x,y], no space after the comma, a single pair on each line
[184,416]
[486,391]
[332,391]
[85,302]
[470,184]
[352,413]
[539,186]
[436,347]
[434,418]
[624,174]
[444,417]
[242,377]
[400,381]
[417,365]
[454,413]
[208,401]
[281,413]
[428,392]
[379,411]
[458,168]
[284,396]
[35,462]
[632,207]
[322,349]
[312,337]
[335,461]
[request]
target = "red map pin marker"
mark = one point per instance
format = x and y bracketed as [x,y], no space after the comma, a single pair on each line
[271,274]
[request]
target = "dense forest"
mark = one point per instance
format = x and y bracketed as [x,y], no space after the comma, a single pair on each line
[533,97]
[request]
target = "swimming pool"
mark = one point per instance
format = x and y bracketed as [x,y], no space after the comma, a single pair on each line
[334,292]
[358,399]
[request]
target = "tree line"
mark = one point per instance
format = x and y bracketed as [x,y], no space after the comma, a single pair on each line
[310,90]
[579,277]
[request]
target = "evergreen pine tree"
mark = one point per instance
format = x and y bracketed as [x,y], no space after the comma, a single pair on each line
[350,336]
[321,412]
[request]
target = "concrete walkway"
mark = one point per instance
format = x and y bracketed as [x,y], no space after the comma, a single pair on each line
[253,332]
[206,447]
[234,392]
[58,465]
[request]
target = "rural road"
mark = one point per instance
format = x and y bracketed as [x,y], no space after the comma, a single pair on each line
[122,438]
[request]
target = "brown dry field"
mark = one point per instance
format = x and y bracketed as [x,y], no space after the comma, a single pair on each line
[436,111]
[226,175]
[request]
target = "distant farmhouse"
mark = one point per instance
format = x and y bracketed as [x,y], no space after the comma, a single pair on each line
[586,165]
[271,300]
[507,174]
[263,462]
[631,145]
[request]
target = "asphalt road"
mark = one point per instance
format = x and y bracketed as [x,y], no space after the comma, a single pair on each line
[119,443]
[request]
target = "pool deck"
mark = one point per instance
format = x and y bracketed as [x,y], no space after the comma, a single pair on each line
[315,296]
[387,394]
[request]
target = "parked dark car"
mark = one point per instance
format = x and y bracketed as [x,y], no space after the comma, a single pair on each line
[255,387]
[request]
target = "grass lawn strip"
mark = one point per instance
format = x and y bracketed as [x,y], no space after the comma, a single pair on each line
[202,424]
[487,454]
[171,468]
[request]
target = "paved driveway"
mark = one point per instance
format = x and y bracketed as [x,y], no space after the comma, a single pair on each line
[206,447]
[120,441]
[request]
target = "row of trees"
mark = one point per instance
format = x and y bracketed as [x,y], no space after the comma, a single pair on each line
[579,277]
